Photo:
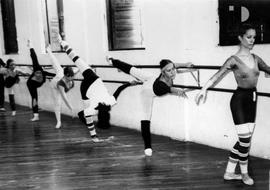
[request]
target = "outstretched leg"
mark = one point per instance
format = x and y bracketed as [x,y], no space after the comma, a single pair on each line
[79,62]
[36,66]
[129,69]
[56,65]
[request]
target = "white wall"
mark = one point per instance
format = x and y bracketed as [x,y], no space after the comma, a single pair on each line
[185,30]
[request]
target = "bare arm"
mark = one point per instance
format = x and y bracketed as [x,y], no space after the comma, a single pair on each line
[214,80]
[182,70]
[20,72]
[64,96]
[262,65]
[187,64]
[178,92]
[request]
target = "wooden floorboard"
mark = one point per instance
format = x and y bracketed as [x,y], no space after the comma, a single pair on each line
[34,155]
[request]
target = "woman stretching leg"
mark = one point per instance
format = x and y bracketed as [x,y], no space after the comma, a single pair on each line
[36,80]
[61,84]
[92,89]
[152,86]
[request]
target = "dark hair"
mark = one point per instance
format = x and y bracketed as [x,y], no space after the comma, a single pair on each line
[243,28]
[9,61]
[164,62]
[68,71]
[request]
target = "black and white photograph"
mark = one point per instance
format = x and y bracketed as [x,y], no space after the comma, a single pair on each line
[134,95]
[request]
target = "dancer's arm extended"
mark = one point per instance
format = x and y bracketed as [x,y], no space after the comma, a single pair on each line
[64,96]
[19,71]
[182,70]
[179,92]
[262,65]
[214,80]
[187,64]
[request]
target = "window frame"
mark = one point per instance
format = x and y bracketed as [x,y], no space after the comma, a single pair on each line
[111,36]
[50,31]
[9,27]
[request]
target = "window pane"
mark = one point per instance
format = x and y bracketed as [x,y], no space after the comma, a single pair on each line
[9,26]
[124,25]
[53,21]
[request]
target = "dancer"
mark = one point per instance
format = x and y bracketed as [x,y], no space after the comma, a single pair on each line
[36,80]
[92,89]
[152,86]
[246,68]
[11,75]
[2,87]
[61,84]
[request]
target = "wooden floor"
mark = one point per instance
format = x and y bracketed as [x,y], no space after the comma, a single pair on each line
[37,156]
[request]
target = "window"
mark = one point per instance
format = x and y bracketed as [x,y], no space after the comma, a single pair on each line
[124,25]
[9,26]
[53,22]
[234,12]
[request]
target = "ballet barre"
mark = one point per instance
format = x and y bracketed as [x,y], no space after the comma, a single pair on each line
[138,66]
[191,70]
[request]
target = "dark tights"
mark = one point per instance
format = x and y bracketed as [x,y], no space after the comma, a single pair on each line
[34,94]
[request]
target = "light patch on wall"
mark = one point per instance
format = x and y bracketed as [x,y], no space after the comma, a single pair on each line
[244,14]
[231,8]
[51,25]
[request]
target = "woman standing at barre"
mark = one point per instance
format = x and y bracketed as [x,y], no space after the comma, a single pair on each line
[152,86]
[246,68]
